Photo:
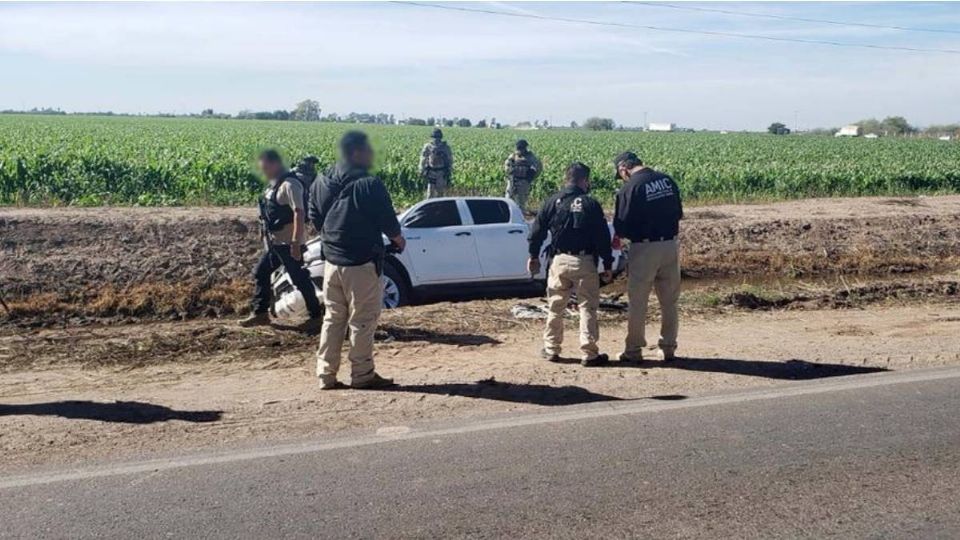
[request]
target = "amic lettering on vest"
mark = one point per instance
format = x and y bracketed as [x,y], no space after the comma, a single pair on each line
[659,189]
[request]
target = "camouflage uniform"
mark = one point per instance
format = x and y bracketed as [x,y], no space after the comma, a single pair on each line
[436,167]
[522,169]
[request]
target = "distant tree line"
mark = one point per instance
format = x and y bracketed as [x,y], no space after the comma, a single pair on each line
[895,126]
[595,123]
[45,110]
[309,110]
[778,128]
[898,125]
[891,125]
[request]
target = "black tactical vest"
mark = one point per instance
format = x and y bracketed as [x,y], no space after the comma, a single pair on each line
[278,215]
[566,223]
[521,168]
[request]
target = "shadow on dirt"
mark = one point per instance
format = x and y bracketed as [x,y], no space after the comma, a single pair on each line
[537,394]
[405,335]
[790,370]
[795,370]
[127,412]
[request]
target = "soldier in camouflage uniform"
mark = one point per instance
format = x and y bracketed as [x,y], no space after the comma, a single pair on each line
[522,168]
[436,165]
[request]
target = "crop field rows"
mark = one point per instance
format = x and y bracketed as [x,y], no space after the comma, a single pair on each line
[46,160]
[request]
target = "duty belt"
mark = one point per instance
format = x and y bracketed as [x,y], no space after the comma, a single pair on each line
[578,253]
[657,239]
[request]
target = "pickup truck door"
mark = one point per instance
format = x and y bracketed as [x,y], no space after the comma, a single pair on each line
[441,248]
[501,243]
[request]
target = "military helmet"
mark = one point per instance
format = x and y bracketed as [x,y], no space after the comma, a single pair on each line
[311,159]
[522,145]
[437,134]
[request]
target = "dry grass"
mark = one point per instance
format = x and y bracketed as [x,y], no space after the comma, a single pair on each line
[144,301]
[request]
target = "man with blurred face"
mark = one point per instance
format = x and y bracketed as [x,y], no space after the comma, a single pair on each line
[648,212]
[282,218]
[352,210]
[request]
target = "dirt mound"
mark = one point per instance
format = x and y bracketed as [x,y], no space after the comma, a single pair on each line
[69,265]
[89,252]
[843,298]
[811,246]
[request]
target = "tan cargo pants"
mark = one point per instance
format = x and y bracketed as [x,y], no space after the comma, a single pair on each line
[566,273]
[653,265]
[353,297]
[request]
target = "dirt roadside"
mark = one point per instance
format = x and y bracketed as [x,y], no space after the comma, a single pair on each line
[114,358]
[73,415]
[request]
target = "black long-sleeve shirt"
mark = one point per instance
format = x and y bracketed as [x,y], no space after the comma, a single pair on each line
[351,209]
[587,231]
[648,207]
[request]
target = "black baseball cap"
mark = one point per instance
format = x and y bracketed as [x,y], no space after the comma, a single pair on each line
[311,159]
[522,144]
[624,156]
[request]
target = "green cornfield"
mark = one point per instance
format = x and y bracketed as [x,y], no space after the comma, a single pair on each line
[90,161]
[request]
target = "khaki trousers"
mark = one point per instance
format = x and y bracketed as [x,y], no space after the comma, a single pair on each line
[566,273]
[353,297]
[653,265]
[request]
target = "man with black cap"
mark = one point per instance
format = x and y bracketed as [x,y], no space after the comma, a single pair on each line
[436,165]
[352,209]
[580,239]
[283,227]
[522,168]
[648,212]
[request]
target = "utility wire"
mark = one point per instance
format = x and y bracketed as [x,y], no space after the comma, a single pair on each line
[450,7]
[790,18]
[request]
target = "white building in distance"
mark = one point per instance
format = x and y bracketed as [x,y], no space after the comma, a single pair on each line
[654,126]
[852,130]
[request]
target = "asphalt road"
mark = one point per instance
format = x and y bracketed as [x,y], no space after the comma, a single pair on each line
[873,456]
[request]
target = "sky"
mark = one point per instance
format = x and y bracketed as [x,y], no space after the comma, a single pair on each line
[416,61]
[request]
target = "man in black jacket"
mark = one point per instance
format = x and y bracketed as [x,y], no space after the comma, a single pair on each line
[352,209]
[580,239]
[648,212]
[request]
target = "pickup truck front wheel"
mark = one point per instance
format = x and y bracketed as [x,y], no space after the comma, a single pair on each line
[396,291]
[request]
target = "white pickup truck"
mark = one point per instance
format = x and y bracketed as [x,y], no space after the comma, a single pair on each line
[454,245]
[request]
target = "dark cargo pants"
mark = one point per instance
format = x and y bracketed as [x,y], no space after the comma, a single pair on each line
[271,260]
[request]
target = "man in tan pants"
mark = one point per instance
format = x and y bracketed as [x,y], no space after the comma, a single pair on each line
[353,297]
[648,212]
[351,209]
[580,236]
